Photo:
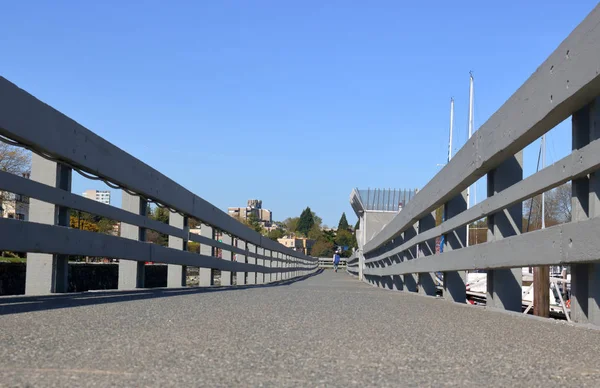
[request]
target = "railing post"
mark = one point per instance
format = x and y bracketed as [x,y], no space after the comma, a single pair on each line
[397,280]
[286,265]
[410,279]
[251,278]
[268,264]
[504,285]
[226,255]
[205,276]
[260,276]
[176,274]
[47,273]
[279,266]
[585,278]
[427,248]
[454,281]
[241,258]
[273,265]
[361,256]
[132,273]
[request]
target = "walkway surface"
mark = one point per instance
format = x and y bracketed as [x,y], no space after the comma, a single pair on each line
[328,330]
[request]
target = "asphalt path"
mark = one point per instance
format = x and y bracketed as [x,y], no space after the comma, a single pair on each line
[324,331]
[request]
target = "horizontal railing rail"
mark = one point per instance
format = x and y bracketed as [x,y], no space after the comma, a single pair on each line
[352,264]
[405,254]
[63,144]
[327,262]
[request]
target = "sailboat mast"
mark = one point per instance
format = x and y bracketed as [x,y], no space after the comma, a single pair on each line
[470,104]
[470,134]
[543,145]
[451,128]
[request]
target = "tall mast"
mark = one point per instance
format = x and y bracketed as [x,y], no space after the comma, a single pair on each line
[470,134]
[451,128]
[543,145]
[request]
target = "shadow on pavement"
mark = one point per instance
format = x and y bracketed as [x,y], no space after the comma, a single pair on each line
[25,304]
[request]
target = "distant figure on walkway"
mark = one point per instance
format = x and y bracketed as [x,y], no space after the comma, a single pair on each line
[336,260]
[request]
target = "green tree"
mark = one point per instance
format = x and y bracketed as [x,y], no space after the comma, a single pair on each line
[357,224]
[318,220]
[315,233]
[161,214]
[193,246]
[306,222]
[275,234]
[322,248]
[291,224]
[193,223]
[154,237]
[106,226]
[345,239]
[328,235]
[343,224]
[254,223]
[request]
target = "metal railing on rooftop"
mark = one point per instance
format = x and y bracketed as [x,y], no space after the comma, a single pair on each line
[60,145]
[403,255]
[389,200]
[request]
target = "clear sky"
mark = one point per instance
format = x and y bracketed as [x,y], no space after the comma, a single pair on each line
[294,103]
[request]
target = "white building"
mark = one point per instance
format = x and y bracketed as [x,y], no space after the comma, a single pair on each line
[14,206]
[98,195]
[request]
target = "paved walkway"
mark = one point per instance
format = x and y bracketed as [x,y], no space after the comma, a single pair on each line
[328,330]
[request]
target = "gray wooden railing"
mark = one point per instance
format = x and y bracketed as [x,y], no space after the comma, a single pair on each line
[403,256]
[327,262]
[352,264]
[60,145]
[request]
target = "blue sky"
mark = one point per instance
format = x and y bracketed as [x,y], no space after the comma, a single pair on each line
[294,103]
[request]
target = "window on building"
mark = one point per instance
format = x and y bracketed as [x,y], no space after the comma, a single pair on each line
[20,216]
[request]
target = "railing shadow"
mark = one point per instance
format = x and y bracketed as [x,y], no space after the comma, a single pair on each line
[25,304]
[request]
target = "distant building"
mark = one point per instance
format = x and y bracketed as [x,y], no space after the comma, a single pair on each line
[299,244]
[14,205]
[98,195]
[254,207]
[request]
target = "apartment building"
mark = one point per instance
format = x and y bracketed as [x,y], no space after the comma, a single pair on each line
[254,206]
[98,195]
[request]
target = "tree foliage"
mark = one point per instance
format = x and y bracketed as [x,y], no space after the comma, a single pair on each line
[82,223]
[557,208]
[291,224]
[306,222]
[344,238]
[275,234]
[315,233]
[316,219]
[322,248]
[162,215]
[91,223]
[254,223]
[357,224]
[328,235]
[14,160]
[343,224]
[193,223]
